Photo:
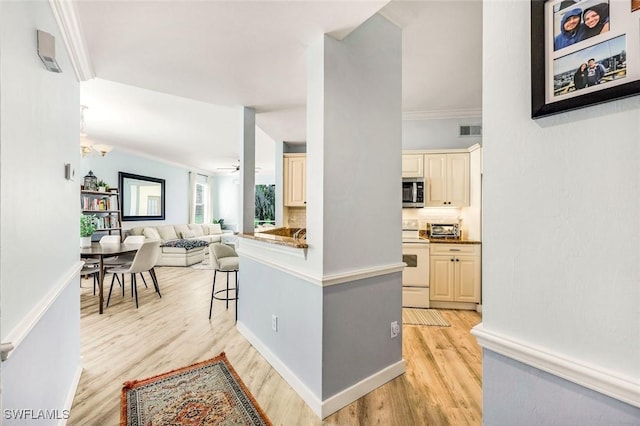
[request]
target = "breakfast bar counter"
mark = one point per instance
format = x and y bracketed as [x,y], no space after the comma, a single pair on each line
[280,236]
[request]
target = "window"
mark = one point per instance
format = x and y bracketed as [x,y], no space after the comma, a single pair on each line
[199,203]
[201,200]
[265,205]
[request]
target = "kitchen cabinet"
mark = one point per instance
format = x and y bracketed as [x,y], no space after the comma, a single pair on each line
[412,165]
[447,180]
[295,180]
[454,273]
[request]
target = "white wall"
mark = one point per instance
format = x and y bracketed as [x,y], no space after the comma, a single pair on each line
[39,263]
[354,148]
[438,133]
[561,235]
[176,181]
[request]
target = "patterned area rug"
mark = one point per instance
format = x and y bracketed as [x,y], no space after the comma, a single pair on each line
[207,393]
[414,316]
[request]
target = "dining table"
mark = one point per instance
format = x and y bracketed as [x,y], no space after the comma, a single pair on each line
[102,251]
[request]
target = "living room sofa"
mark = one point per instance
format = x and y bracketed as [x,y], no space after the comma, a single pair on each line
[177,252]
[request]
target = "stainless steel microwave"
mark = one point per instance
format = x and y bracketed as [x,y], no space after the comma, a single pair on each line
[413,192]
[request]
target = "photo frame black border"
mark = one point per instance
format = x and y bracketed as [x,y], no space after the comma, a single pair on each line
[124,175]
[539,107]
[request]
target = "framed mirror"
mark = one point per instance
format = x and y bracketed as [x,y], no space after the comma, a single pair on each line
[141,197]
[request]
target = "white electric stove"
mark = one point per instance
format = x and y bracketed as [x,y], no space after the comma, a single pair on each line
[415,276]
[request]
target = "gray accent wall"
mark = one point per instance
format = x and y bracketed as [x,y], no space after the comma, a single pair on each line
[356,318]
[517,394]
[266,291]
[329,337]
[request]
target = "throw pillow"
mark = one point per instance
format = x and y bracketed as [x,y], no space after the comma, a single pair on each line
[167,232]
[197,229]
[151,234]
[188,234]
[181,228]
[215,229]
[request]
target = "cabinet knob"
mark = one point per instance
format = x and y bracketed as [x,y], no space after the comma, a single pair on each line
[457,260]
[451,260]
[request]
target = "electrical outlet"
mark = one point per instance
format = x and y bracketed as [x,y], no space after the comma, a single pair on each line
[274,322]
[395,329]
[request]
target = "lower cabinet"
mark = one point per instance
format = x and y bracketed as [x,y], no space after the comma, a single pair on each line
[454,273]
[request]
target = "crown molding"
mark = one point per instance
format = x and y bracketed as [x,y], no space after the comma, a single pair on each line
[443,113]
[67,18]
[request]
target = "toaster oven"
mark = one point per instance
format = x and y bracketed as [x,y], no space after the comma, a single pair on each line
[444,230]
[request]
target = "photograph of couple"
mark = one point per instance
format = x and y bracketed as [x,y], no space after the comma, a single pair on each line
[590,55]
[575,21]
[597,64]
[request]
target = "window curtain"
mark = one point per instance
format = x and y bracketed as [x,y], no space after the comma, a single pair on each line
[193,176]
[208,218]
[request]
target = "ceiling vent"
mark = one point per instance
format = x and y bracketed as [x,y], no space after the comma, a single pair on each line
[47,51]
[470,131]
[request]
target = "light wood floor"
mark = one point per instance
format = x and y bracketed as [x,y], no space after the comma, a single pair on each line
[442,385]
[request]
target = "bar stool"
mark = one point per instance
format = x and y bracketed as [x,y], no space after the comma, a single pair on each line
[224,259]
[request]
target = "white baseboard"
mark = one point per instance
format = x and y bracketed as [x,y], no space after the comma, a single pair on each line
[363,387]
[72,394]
[329,406]
[301,389]
[592,377]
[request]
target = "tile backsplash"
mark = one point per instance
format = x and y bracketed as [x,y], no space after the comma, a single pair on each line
[297,217]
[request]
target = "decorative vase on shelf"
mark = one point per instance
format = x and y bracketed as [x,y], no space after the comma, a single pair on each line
[85,242]
[102,189]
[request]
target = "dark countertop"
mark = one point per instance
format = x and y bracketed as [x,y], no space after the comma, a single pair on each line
[451,241]
[277,239]
[423,234]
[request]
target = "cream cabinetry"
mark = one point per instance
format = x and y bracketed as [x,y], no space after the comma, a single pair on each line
[412,165]
[295,180]
[446,180]
[454,273]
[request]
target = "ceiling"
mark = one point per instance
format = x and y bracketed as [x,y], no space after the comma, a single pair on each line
[169,78]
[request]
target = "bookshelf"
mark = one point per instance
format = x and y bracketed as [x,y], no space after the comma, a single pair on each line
[106,208]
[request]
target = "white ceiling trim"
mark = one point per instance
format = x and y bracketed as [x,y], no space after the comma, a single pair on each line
[67,18]
[442,114]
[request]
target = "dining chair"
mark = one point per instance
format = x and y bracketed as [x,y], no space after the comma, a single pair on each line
[93,270]
[114,260]
[224,259]
[110,239]
[127,258]
[144,261]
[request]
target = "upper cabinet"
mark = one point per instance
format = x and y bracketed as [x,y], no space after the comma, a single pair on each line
[412,165]
[446,180]
[295,180]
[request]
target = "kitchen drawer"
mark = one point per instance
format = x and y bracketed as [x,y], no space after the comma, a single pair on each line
[439,248]
[415,297]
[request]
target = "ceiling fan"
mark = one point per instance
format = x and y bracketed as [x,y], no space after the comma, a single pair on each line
[234,168]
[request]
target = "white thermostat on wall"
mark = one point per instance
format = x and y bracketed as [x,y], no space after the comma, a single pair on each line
[69,173]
